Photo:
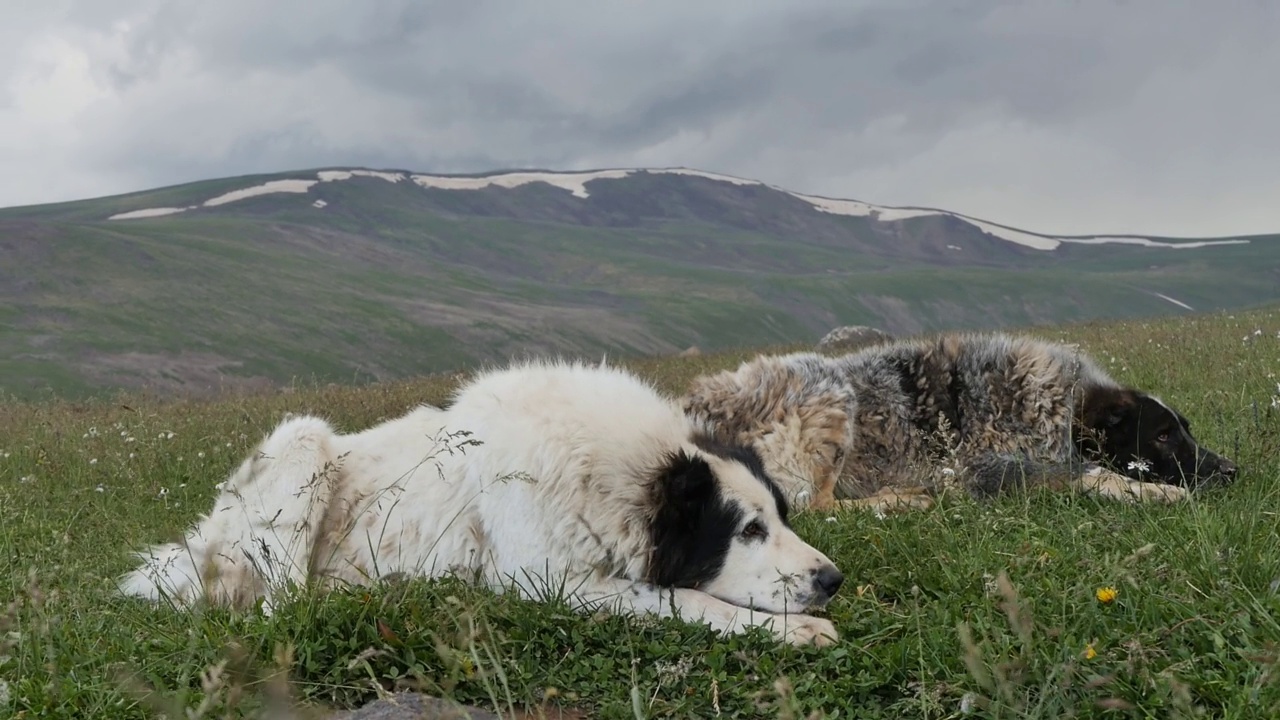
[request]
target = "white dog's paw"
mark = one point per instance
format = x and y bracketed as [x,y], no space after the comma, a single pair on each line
[807,630]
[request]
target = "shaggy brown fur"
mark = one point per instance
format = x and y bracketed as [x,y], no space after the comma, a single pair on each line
[890,426]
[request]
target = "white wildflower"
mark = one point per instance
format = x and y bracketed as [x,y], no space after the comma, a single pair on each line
[132,455]
[948,471]
[1257,333]
[989,585]
[1139,465]
[831,518]
[200,454]
[93,461]
[676,670]
[129,439]
[181,485]
[100,488]
[26,479]
[967,703]
[164,491]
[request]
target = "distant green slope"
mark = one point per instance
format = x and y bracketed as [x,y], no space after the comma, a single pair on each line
[390,279]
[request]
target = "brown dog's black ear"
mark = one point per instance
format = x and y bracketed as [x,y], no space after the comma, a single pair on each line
[1104,408]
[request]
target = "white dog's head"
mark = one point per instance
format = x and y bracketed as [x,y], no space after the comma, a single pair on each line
[720,525]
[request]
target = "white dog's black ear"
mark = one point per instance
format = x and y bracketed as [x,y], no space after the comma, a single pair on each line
[689,535]
[687,479]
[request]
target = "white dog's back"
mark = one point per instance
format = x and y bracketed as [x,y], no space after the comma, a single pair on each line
[483,486]
[573,431]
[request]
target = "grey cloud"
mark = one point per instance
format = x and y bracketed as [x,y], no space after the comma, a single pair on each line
[1094,115]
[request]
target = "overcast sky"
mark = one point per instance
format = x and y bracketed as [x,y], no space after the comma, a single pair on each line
[1069,116]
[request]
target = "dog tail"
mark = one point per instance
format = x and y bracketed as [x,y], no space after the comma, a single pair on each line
[994,474]
[262,531]
[166,571]
[194,571]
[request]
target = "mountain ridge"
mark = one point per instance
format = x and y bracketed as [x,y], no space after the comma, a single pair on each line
[575,182]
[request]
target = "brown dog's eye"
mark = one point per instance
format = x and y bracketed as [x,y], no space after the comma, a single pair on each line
[1163,437]
[754,530]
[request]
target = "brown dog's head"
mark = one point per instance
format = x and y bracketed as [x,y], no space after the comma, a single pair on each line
[1139,436]
[792,409]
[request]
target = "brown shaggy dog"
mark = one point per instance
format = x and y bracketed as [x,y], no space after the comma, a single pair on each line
[891,425]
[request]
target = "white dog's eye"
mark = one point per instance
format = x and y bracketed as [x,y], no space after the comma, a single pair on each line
[754,531]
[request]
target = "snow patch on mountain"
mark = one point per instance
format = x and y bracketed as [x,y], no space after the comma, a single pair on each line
[148,213]
[575,183]
[1179,303]
[339,175]
[274,186]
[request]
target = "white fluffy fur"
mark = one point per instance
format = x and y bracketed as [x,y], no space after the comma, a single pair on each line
[543,466]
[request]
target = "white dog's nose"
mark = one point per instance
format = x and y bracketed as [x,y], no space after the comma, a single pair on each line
[828,580]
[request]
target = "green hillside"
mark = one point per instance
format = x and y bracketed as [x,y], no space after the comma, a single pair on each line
[388,280]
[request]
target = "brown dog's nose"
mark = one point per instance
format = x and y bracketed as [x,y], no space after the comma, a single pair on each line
[1228,468]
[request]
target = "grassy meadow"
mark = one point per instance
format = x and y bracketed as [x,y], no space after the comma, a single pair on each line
[989,610]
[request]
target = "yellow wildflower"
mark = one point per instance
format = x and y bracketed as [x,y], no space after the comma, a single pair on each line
[1105,595]
[1089,652]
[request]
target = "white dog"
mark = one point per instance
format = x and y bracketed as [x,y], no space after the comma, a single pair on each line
[543,472]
